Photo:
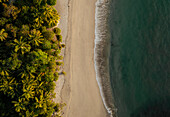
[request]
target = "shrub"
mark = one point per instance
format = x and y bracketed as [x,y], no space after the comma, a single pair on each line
[63,72]
[56,76]
[54,46]
[58,52]
[59,38]
[49,35]
[57,31]
[59,57]
[47,45]
[63,45]
[59,63]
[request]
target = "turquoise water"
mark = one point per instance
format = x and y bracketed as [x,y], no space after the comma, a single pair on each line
[140,57]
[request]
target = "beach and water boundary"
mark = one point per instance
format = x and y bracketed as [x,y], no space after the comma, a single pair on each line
[124,57]
[81,92]
[133,41]
[125,48]
[102,53]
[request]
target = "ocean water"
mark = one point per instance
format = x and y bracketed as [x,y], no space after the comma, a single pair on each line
[132,57]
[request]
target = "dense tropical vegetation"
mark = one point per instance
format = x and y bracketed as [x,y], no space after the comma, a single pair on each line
[29,58]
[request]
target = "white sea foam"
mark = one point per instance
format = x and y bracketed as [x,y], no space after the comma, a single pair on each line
[101,55]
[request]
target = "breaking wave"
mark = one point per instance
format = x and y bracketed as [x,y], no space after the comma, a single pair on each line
[101,55]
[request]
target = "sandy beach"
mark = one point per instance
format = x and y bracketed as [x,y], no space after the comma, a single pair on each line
[62,8]
[80,91]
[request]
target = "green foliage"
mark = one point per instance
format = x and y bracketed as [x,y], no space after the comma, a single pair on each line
[57,31]
[59,57]
[24,31]
[50,16]
[3,35]
[21,46]
[47,45]
[35,37]
[63,72]
[11,29]
[10,11]
[29,58]
[54,46]
[37,2]
[49,35]
[60,63]
[43,29]
[7,86]
[51,2]
[63,45]
[59,38]
[57,51]
[3,21]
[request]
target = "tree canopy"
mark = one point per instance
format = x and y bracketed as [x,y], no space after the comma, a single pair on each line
[29,58]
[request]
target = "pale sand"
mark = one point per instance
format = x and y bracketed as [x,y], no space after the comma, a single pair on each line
[62,8]
[80,91]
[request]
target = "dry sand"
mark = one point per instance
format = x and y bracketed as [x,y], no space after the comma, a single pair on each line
[62,8]
[80,91]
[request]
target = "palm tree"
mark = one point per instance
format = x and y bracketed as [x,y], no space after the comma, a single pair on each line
[19,105]
[3,35]
[21,46]
[38,22]
[28,91]
[7,86]
[35,37]
[28,87]
[50,16]
[40,101]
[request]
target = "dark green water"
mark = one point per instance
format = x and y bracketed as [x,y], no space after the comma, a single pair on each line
[140,57]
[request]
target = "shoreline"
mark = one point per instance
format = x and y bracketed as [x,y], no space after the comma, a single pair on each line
[102,55]
[80,91]
[64,86]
